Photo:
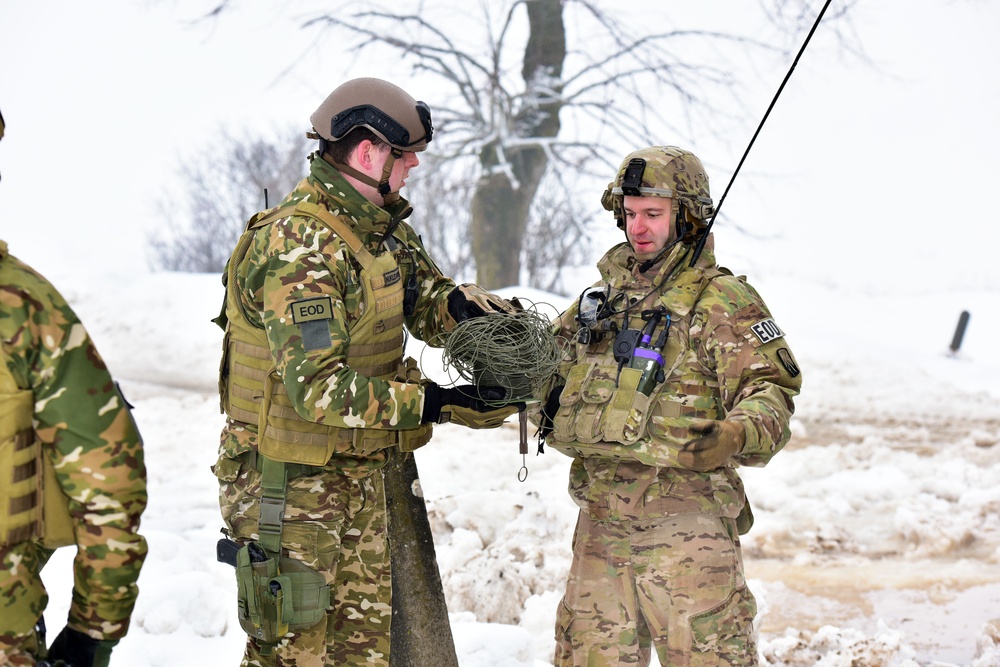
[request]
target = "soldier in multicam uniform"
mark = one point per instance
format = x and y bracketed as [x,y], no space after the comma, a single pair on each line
[314,385]
[71,472]
[675,374]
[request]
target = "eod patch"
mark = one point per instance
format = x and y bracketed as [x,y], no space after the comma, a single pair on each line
[766,331]
[313,315]
[310,310]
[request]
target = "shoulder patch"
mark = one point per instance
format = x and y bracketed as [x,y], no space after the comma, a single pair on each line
[313,309]
[766,331]
[788,361]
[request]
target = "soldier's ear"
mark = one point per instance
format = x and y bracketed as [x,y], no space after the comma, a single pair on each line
[363,153]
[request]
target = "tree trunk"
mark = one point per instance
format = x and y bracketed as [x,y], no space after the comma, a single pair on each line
[421,632]
[502,201]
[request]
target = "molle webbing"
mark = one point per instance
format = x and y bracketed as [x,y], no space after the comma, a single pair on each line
[19,515]
[20,483]
[601,412]
[32,505]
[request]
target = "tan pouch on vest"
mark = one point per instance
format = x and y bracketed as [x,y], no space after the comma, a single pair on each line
[22,461]
[412,439]
[57,525]
[624,418]
[294,440]
[286,445]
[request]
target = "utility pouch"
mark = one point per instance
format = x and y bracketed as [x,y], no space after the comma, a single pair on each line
[563,425]
[412,439]
[281,441]
[32,504]
[277,596]
[19,511]
[599,404]
[625,416]
[597,390]
[57,524]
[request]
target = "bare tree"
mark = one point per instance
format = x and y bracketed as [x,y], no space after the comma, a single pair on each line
[224,185]
[558,228]
[539,89]
[515,126]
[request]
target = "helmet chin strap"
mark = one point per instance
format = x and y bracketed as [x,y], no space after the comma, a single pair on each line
[388,195]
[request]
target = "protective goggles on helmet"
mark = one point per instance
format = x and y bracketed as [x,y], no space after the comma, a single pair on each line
[592,302]
[376,119]
[595,309]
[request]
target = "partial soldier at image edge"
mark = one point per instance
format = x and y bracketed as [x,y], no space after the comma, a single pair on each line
[72,472]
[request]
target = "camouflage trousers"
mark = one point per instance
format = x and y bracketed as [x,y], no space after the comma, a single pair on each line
[336,525]
[22,601]
[674,583]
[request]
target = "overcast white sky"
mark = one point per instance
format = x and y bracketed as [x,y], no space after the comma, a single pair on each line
[871,178]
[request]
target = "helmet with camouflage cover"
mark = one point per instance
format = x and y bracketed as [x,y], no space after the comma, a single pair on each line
[382,107]
[663,171]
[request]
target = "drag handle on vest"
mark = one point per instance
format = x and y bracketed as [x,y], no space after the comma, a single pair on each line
[647,356]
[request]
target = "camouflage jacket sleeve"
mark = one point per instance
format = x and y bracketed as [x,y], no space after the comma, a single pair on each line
[564,329]
[292,260]
[756,372]
[86,427]
[430,318]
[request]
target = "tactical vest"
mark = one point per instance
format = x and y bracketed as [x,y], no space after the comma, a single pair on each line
[602,413]
[32,504]
[251,388]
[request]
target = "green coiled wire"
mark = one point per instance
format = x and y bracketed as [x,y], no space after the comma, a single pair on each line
[517,351]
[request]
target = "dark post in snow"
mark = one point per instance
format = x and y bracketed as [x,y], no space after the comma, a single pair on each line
[963,322]
[421,632]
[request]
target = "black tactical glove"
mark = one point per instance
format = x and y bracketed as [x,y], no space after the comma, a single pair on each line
[467,405]
[75,649]
[545,426]
[468,300]
[720,442]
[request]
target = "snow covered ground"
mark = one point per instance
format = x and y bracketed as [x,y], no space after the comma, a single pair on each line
[877,539]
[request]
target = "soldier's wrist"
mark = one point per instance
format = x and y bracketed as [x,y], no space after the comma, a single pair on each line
[430,411]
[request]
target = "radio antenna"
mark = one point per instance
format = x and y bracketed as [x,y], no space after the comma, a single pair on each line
[701,241]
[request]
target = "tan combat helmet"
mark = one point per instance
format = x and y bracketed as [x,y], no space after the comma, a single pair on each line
[385,109]
[664,171]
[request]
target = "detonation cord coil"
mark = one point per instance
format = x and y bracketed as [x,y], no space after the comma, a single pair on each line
[517,351]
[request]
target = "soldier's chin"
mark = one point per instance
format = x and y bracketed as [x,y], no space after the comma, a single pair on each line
[644,250]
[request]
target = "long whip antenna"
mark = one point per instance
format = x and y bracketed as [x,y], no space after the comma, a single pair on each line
[701,241]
